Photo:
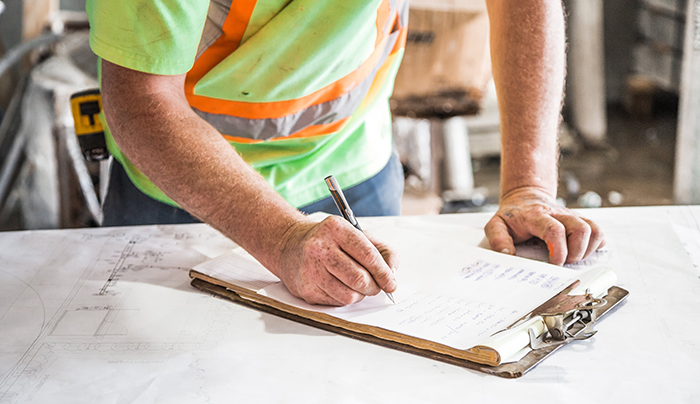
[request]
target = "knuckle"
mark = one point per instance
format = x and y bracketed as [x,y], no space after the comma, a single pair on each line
[333,222]
[359,281]
[372,258]
[597,234]
[348,298]
[554,229]
[581,232]
[383,275]
[540,210]
[306,291]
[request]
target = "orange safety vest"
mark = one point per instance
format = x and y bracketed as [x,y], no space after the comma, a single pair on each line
[267,76]
[323,112]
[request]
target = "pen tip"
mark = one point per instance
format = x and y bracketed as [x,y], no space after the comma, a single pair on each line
[391,296]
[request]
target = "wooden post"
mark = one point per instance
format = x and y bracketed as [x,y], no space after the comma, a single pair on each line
[686,188]
[36,15]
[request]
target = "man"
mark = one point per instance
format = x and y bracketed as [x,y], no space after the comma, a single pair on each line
[299,89]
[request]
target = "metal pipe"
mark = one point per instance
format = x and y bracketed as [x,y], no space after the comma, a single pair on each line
[11,160]
[459,176]
[15,54]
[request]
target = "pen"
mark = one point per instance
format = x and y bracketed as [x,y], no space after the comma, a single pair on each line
[345,211]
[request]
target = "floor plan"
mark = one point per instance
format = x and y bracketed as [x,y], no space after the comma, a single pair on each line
[108,314]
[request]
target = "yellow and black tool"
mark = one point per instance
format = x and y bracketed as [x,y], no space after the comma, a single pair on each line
[86,107]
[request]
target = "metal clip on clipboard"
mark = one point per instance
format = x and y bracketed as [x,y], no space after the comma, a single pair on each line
[567,318]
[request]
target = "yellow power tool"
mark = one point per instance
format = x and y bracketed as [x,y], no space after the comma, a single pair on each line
[86,107]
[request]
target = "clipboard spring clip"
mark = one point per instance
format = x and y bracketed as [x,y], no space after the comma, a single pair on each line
[568,318]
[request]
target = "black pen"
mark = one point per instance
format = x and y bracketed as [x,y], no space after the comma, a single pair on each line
[345,211]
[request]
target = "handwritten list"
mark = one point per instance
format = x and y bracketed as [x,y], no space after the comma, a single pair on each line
[449,292]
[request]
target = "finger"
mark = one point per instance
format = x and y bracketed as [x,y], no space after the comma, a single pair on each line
[597,239]
[359,248]
[391,257]
[499,238]
[553,233]
[319,296]
[310,291]
[339,292]
[350,273]
[578,234]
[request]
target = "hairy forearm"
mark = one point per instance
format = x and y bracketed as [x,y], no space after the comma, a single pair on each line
[192,163]
[528,57]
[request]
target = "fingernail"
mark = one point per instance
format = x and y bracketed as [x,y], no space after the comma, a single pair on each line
[505,251]
[391,286]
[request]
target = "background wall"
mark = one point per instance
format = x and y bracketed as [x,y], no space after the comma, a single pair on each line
[73,5]
[11,23]
[620,30]
[11,19]
[619,37]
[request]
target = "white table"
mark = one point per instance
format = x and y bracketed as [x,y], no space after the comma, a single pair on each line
[108,316]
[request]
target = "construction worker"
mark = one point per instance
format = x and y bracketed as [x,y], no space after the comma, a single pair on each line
[234,112]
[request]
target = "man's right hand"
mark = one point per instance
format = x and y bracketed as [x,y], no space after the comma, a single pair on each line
[188,159]
[332,263]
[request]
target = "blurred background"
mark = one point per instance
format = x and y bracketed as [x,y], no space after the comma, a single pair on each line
[628,137]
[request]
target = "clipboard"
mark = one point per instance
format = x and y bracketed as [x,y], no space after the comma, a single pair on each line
[573,325]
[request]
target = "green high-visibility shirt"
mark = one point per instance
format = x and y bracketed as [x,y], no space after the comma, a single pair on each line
[288,50]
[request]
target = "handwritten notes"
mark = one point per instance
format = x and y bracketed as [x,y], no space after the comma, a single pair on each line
[460,295]
[449,316]
[449,292]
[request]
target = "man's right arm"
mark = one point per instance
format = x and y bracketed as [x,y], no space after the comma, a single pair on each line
[323,263]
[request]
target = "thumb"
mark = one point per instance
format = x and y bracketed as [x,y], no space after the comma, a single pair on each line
[499,238]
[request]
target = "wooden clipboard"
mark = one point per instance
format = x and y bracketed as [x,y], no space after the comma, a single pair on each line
[511,370]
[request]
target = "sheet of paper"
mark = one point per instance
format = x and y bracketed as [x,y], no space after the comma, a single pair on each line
[94,313]
[160,340]
[240,268]
[449,292]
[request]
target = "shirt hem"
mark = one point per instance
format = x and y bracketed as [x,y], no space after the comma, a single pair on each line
[133,61]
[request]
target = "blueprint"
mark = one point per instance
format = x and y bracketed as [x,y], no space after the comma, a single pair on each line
[88,294]
[109,316]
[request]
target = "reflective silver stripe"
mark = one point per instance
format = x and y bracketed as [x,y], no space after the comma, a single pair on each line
[214,26]
[392,10]
[403,14]
[327,112]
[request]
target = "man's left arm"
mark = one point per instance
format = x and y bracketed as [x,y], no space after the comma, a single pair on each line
[528,58]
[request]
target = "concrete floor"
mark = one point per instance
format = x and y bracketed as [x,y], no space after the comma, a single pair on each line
[637,163]
[634,168]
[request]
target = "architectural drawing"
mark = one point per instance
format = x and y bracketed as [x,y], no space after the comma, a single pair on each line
[110,313]
[109,316]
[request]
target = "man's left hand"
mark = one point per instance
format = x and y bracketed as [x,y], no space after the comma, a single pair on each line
[531,212]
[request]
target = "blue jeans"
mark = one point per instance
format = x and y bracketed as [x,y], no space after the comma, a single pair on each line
[377,196]
[125,205]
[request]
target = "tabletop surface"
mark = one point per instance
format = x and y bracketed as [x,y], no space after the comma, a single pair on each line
[108,316]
